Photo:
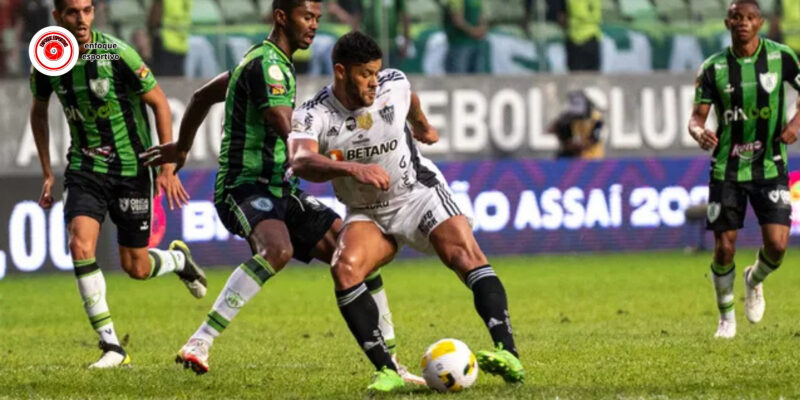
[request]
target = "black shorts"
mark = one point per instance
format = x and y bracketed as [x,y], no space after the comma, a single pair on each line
[307,220]
[129,201]
[727,203]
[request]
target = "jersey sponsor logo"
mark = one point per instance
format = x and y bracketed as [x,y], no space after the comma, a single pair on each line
[387,114]
[371,151]
[53,51]
[276,89]
[374,206]
[769,81]
[99,87]
[350,123]
[747,151]
[275,72]
[104,153]
[84,114]
[365,121]
[782,195]
[134,205]
[361,140]
[713,211]
[262,204]
[739,114]
[427,223]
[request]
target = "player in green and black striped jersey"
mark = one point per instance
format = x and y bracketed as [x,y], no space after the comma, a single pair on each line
[745,85]
[104,98]
[256,197]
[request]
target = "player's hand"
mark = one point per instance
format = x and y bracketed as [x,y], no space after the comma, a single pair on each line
[705,137]
[426,134]
[789,134]
[164,154]
[46,198]
[371,174]
[169,182]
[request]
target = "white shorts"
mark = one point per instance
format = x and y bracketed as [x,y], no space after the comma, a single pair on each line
[412,218]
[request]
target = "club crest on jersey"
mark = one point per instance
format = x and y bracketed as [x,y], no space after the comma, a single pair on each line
[99,87]
[713,211]
[262,204]
[365,121]
[769,81]
[350,123]
[387,113]
[143,72]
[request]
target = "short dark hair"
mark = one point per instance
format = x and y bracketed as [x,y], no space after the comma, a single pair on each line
[355,48]
[751,2]
[289,5]
[59,5]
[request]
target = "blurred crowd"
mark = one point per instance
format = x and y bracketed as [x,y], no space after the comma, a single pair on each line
[163,30]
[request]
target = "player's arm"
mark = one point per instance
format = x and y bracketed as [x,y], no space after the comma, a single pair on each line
[791,74]
[41,136]
[167,179]
[422,130]
[308,164]
[705,91]
[201,101]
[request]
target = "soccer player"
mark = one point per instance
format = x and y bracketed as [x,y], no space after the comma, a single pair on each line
[354,134]
[104,102]
[744,83]
[255,198]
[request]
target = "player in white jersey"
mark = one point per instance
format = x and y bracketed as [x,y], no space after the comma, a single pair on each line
[360,134]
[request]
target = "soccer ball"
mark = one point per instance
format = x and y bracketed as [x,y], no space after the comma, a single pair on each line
[449,366]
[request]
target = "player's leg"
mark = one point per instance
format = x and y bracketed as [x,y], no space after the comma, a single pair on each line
[131,208]
[311,216]
[361,247]
[722,276]
[772,204]
[726,210]
[272,250]
[457,248]
[84,211]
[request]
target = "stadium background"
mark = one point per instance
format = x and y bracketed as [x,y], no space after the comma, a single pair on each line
[494,148]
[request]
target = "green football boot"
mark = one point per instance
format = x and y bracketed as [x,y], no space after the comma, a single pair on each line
[386,380]
[501,362]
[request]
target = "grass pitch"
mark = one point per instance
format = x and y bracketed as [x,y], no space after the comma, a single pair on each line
[588,326]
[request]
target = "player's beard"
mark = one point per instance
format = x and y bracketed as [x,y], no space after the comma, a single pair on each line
[354,94]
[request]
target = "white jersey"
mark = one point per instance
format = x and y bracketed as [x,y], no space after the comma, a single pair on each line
[370,135]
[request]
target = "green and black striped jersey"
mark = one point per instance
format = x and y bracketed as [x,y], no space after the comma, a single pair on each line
[252,152]
[102,101]
[749,100]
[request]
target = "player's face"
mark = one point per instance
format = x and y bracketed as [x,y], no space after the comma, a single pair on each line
[302,24]
[362,82]
[76,17]
[744,21]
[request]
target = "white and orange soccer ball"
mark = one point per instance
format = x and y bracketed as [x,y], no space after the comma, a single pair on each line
[449,366]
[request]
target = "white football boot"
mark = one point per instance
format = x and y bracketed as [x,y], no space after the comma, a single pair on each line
[754,303]
[113,356]
[194,355]
[726,329]
[404,373]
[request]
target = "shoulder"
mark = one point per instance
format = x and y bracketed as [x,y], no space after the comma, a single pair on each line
[772,47]
[318,103]
[716,61]
[391,75]
[120,46]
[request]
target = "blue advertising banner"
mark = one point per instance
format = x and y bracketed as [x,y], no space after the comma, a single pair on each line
[518,207]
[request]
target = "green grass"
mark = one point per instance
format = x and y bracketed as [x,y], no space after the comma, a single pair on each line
[588,326]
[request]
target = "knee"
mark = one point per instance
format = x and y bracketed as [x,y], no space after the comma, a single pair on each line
[465,258]
[277,255]
[775,247]
[136,267]
[724,250]
[347,271]
[80,249]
